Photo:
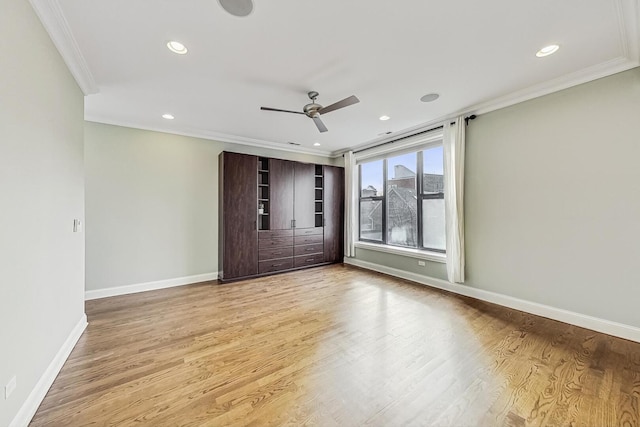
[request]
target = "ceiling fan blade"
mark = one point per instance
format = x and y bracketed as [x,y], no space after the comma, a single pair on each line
[319,124]
[281,111]
[340,104]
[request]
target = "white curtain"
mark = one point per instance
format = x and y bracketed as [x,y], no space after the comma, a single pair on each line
[454,142]
[350,204]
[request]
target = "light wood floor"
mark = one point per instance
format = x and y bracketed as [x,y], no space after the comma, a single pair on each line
[336,346]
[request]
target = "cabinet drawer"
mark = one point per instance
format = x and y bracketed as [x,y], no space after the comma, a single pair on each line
[276,242]
[301,261]
[275,265]
[307,240]
[316,248]
[274,253]
[270,234]
[308,231]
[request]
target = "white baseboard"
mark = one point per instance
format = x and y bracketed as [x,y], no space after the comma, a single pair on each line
[594,323]
[149,286]
[30,406]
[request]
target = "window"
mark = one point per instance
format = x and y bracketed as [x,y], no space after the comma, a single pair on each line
[433,223]
[396,207]
[402,201]
[371,201]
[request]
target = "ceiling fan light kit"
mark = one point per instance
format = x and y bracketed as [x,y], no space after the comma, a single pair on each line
[314,110]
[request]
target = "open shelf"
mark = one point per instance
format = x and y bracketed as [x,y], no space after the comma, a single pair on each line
[263,163]
[319,199]
[263,194]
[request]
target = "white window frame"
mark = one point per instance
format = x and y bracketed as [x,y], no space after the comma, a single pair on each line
[405,145]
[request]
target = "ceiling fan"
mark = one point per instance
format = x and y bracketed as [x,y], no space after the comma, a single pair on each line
[314,110]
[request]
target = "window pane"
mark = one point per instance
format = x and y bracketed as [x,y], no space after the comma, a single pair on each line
[371,220]
[371,179]
[432,168]
[433,235]
[402,201]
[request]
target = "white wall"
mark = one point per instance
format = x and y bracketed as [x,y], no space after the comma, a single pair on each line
[553,199]
[41,192]
[152,204]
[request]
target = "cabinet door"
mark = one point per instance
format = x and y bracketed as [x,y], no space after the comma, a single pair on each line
[304,210]
[239,188]
[333,214]
[281,187]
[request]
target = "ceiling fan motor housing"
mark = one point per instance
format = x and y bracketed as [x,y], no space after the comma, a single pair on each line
[311,110]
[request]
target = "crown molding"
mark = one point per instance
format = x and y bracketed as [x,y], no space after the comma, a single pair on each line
[585,75]
[209,135]
[627,12]
[404,133]
[595,72]
[628,15]
[54,21]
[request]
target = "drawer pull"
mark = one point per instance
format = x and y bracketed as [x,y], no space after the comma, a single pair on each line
[277,253]
[276,265]
[310,249]
[310,260]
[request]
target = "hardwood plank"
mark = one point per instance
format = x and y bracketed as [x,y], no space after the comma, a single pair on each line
[336,346]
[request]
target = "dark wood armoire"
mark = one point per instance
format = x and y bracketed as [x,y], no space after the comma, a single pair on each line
[277,215]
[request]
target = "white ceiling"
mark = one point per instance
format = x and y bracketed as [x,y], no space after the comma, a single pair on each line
[478,55]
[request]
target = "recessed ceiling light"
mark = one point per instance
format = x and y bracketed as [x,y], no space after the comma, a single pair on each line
[430,97]
[237,7]
[383,118]
[168,116]
[177,47]
[547,50]
[316,144]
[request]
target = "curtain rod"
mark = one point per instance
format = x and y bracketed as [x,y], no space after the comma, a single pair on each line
[466,122]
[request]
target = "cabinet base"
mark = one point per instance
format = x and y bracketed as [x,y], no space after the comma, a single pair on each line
[254,276]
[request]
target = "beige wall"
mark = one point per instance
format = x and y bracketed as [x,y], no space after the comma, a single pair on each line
[552,201]
[404,263]
[41,188]
[152,204]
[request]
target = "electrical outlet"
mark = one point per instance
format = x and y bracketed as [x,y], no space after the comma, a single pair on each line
[422,263]
[8,389]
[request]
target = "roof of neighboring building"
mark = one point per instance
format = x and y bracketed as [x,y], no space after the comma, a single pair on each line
[405,195]
[432,183]
[401,171]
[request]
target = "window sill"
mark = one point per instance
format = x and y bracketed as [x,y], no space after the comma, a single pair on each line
[413,253]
